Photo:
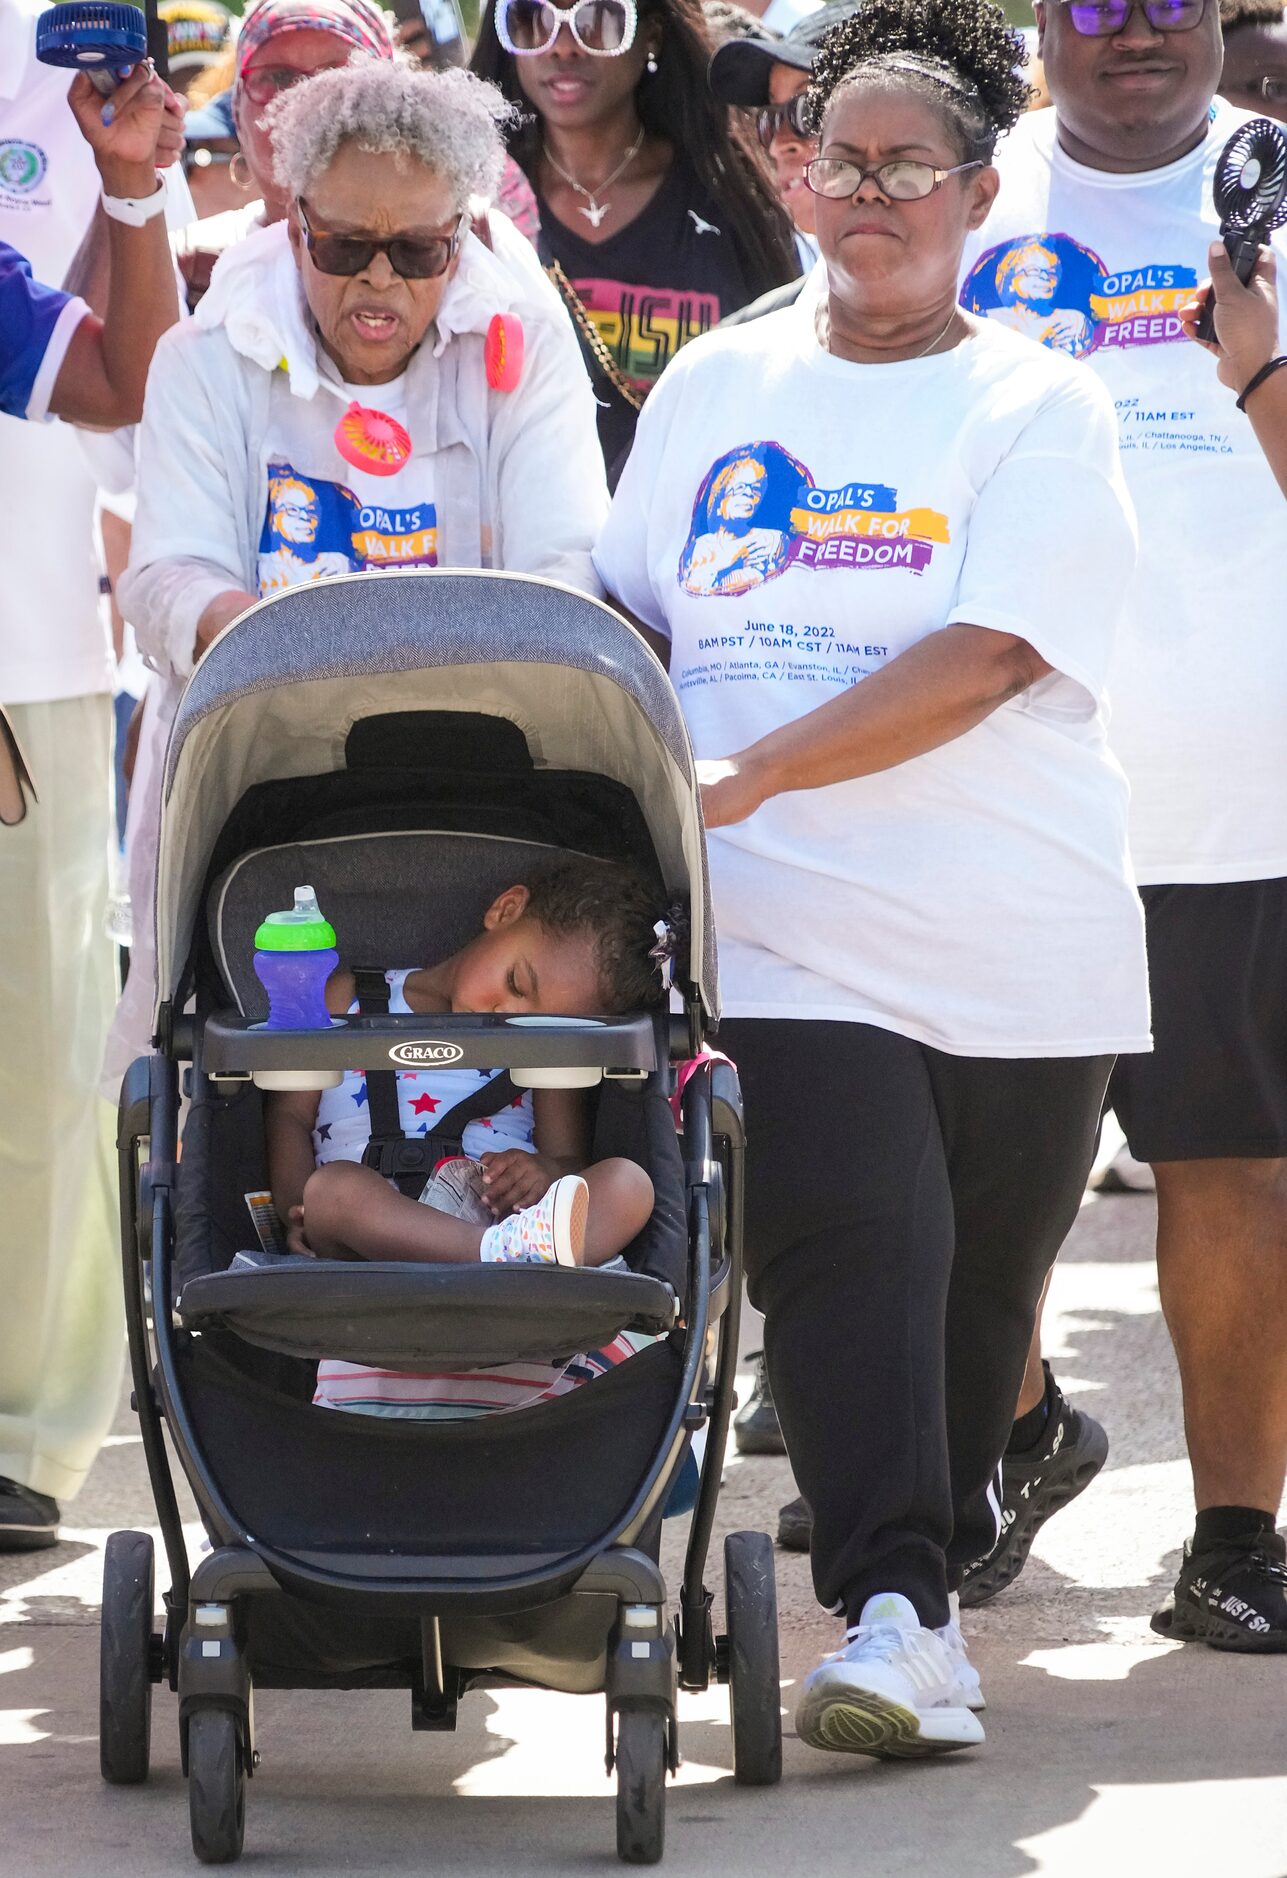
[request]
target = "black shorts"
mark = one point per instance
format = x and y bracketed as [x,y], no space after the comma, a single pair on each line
[1215,1086]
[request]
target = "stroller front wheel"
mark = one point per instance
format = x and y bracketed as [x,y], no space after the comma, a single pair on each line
[125,1647]
[216,1786]
[754,1689]
[641,1785]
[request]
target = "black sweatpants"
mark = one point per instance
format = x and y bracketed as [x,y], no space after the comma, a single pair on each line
[903,1208]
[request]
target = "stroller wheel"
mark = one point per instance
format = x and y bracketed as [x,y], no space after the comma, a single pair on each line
[754,1692]
[125,1645]
[216,1786]
[641,1786]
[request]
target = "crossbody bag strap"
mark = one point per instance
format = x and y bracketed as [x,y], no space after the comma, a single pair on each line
[592,340]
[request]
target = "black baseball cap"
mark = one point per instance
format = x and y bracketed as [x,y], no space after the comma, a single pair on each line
[739,70]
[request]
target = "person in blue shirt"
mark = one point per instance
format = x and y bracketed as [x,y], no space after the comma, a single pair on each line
[57,359]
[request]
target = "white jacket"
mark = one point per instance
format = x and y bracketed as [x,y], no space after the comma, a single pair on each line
[518,475]
[524,464]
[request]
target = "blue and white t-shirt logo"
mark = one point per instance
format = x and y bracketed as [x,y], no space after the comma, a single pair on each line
[22,165]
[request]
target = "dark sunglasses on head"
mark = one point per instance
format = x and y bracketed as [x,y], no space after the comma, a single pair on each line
[772,119]
[604,28]
[1100,19]
[347,255]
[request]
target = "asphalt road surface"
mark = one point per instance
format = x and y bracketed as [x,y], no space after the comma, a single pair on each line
[1108,1751]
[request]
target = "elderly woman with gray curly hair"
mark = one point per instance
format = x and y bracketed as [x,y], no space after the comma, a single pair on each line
[332,406]
[345,399]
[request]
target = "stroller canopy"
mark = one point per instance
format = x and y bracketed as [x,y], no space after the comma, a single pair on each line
[278,693]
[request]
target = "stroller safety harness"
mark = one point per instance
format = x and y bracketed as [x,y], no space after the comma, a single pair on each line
[410,1160]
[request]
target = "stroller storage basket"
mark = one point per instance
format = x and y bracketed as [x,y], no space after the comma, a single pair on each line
[413,1316]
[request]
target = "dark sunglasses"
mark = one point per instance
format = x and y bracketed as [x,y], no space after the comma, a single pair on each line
[347,255]
[772,119]
[1100,19]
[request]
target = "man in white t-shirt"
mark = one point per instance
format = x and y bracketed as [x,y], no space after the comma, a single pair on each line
[60,1328]
[1100,234]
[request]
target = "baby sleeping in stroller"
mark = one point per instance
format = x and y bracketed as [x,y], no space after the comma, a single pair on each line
[579,938]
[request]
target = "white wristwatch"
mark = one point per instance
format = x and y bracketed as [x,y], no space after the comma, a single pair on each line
[134,211]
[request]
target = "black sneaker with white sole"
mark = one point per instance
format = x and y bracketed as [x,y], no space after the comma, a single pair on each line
[1232,1595]
[1034,1485]
[28,1521]
[755,1426]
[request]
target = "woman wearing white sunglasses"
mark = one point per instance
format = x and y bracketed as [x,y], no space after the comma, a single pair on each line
[658,218]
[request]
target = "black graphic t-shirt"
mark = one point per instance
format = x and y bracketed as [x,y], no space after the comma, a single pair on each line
[667,276]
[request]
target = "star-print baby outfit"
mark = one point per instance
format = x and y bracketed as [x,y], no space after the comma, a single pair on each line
[425,1097]
[341,1132]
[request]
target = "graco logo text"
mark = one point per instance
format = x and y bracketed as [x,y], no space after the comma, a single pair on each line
[425,1055]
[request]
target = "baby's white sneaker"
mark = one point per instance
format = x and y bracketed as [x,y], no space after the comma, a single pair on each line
[894,1689]
[550,1233]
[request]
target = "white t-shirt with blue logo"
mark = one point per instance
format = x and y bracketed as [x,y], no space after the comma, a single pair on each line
[1095,266]
[793,522]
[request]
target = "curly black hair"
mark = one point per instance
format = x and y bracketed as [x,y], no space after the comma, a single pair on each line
[961,55]
[615,908]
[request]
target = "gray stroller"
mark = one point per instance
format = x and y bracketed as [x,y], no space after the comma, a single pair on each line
[410,746]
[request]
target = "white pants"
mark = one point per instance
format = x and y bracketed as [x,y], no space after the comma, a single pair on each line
[61,1326]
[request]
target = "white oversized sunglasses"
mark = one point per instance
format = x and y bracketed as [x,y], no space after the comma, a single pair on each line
[603,28]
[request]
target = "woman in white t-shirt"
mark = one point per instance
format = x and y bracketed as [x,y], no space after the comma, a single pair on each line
[930,945]
[374,293]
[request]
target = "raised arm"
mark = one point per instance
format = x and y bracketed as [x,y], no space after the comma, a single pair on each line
[103,375]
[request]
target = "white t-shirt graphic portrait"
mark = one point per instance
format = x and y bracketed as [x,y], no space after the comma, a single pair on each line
[794,522]
[1096,265]
[316,525]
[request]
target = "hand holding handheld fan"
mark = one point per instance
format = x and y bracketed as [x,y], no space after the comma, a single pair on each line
[1250,194]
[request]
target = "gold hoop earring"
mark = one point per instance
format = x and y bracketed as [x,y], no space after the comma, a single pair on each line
[242,180]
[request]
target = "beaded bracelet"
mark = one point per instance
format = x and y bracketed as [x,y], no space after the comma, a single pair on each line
[1266,371]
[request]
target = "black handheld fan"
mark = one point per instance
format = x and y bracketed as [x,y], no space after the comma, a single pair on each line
[1250,194]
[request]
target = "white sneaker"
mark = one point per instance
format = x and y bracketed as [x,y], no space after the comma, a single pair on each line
[456,1187]
[969,1686]
[550,1233]
[893,1690]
